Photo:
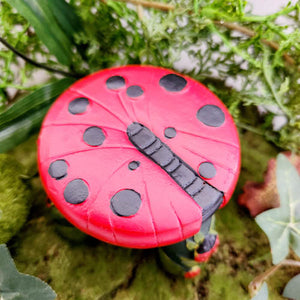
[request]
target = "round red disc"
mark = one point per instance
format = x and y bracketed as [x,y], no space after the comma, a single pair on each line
[134,155]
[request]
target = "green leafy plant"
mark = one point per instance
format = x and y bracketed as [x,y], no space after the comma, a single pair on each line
[54,22]
[18,286]
[249,61]
[282,225]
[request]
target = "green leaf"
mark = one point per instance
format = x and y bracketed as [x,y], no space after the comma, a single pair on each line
[24,117]
[282,225]
[191,245]
[292,289]
[54,22]
[66,17]
[18,286]
[263,293]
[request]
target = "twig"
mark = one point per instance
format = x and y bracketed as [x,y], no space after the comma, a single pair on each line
[140,11]
[37,64]
[228,25]
[291,262]
[256,283]
[152,4]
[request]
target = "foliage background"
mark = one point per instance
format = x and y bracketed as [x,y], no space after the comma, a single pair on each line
[249,61]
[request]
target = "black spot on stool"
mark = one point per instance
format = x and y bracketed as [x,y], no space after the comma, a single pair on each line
[170,132]
[94,136]
[126,203]
[78,106]
[211,115]
[134,91]
[58,169]
[76,191]
[115,82]
[133,165]
[172,83]
[207,170]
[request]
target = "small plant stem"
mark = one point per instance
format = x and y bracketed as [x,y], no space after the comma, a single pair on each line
[269,80]
[37,64]
[249,128]
[251,33]
[232,26]
[233,47]
[295,229]
[291,262]
[256,283]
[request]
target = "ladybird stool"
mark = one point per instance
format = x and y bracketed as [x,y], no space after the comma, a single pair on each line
[141,157]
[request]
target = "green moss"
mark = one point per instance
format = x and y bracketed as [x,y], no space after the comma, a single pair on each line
[93,270]
[235,226]
[26,154]
[277,282]
[151,282]
[256,152]
[75,271]
[223,285]
[14,198]
[79,268]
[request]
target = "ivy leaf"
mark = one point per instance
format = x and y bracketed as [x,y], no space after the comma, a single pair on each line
[18,286]
[262,294]
[292,289]
[282,225]
[54,22]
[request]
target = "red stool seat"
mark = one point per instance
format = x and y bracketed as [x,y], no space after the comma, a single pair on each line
[138,156]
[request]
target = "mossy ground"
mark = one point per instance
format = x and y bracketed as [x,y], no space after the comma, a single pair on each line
[81,268]
[14,195]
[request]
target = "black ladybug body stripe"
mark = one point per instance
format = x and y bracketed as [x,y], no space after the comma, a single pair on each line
[205,195]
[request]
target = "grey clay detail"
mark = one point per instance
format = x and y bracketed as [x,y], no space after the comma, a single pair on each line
[78,106]
[205,195]
[58,169]
[76,191]
[126,203]
[211,115]
[207,170]
[172,83]
[134,91]
[115,82]
[170,132]
[94,136]
[133,165]
[207,244]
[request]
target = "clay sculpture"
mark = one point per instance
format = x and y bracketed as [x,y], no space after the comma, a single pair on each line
[142,157]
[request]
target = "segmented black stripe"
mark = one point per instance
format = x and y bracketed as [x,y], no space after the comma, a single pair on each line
[206,196]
